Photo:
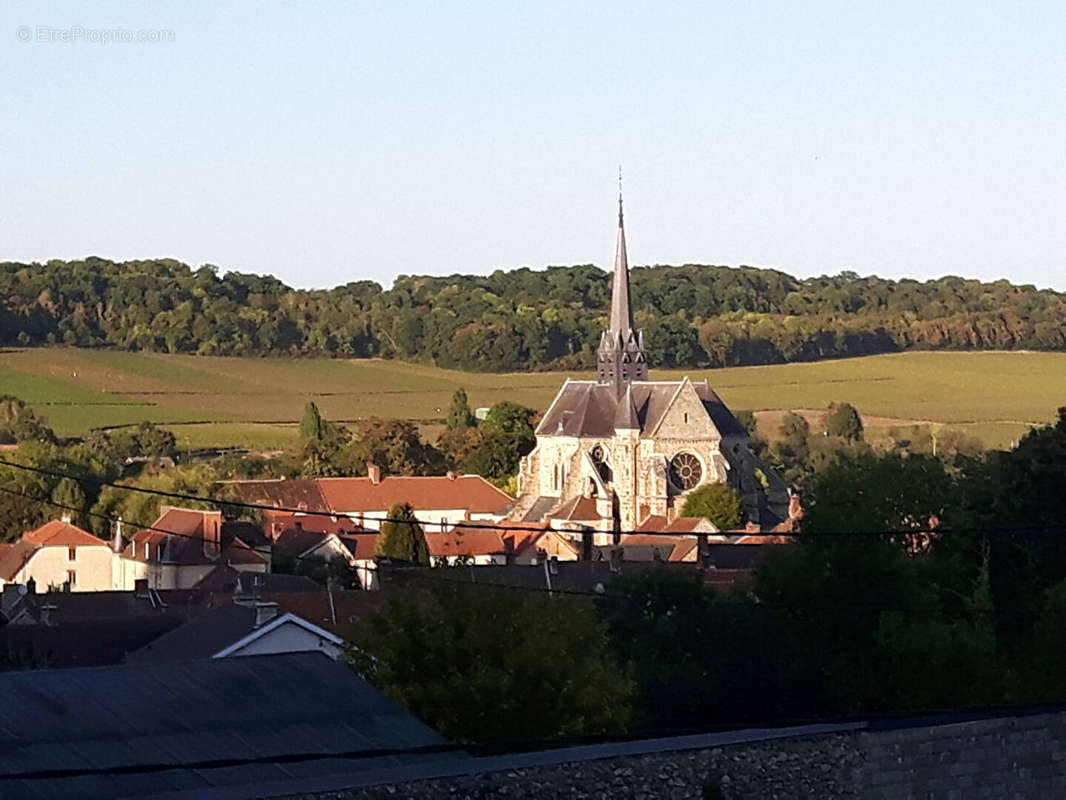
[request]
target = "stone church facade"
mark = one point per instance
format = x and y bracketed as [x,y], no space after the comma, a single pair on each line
[613,452]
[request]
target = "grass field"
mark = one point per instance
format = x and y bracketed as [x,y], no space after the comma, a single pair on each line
[255,401]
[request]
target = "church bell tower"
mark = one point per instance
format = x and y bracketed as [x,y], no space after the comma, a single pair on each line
[620,357]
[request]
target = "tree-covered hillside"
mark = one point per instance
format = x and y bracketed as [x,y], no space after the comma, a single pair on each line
[519,319]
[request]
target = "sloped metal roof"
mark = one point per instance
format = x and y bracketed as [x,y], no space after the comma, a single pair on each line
[252,707]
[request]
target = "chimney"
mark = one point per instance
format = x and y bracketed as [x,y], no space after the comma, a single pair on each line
[67,517]
[212,533]
[553,565]
[373,471]
[451,475]
[117,544]
[48,614]
[140,588]
[264,612]
[795,506]
[31,586]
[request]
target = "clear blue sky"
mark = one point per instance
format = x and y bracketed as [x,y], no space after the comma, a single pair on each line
[328,142]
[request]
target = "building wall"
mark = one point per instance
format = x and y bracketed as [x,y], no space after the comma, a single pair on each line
[288,638]
[432,517]
[639,467]
[49,566]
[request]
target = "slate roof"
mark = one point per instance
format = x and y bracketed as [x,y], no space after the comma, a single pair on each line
[187,712]
[540,508]
[588,408]
[84,643]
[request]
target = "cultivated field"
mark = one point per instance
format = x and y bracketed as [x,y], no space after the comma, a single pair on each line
[257,401]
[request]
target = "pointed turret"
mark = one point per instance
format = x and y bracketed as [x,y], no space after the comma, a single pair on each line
[620,356]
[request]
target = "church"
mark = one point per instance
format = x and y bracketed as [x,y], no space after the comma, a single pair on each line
[617,452]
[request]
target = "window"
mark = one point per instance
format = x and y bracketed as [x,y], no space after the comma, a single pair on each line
[146,551]
[685,471]
[72,553]
[72,578]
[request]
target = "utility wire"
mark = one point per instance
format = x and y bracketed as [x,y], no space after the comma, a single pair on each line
[404,573]
[498,526]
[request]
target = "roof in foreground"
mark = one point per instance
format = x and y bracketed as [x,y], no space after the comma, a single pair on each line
[256,707]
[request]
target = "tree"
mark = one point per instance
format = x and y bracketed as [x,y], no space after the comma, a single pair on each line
[18,423]
[402,538]
[312,426]
[891,492]
[69,497]
[459,415]
[747,419]
[478,664]
[320,441]
[507,436]
[393,445]
[842,419]
[718,503]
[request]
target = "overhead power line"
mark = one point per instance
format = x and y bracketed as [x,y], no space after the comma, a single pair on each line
[402,573]
[503,526]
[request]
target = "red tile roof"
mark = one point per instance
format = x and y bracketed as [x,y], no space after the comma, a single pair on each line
[279,521]
[362,546]
[15,558]
[465,541]
[674,548]
[469,492]
[679,525]
[240,553]
[62,534]
[579,508]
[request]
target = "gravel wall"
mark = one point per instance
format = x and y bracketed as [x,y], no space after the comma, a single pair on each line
[1007,757]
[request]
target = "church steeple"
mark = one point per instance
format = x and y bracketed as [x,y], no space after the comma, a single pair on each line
[620,356]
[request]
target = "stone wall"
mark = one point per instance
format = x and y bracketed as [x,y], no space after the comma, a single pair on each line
[1021,756]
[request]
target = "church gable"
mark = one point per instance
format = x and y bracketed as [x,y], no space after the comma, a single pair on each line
[685,417]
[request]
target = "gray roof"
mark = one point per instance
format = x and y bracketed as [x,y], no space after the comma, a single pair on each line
[256,707]
[201,637]
[587,408]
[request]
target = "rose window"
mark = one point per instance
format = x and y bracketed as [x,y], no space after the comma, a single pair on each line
[685,471]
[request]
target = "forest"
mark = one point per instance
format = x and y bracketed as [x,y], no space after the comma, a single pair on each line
[520,319]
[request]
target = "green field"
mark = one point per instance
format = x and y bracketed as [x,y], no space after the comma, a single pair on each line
[211,401]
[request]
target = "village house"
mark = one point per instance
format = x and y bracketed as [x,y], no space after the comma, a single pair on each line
[58,554]
[237,630]
[439,502]
[320,539]
[183,545]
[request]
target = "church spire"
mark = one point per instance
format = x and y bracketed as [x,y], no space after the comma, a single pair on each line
[620,357]
[621,311]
